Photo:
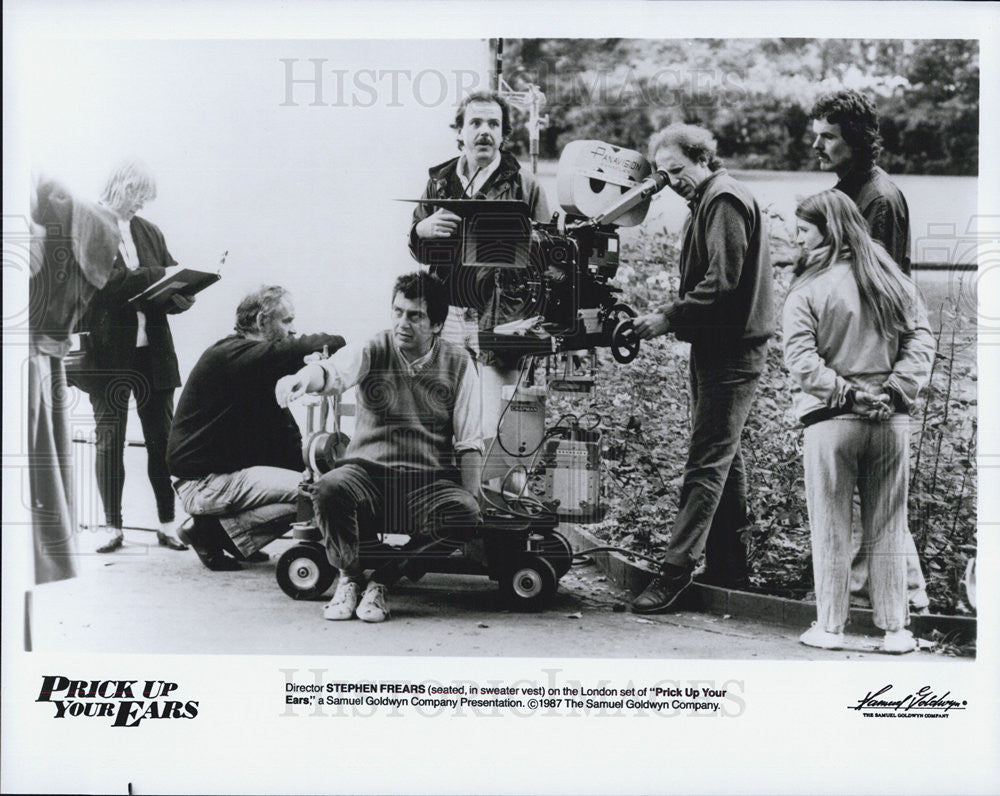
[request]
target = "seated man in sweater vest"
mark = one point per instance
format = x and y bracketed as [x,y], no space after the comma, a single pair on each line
[418,410]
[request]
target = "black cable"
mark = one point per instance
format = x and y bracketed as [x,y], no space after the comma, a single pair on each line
[613,549]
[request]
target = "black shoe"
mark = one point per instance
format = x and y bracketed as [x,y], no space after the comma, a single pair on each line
[115,544]
[662,593]
[165,540]
[201,539]
[260,557]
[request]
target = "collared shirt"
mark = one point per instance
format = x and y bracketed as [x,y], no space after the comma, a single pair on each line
[479,178]
[348,366]
[131,259]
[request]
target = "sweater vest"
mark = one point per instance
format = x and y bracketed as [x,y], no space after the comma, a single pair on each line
[405,421]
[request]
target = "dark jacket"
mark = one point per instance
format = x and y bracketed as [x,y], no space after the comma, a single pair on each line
[726,284]
[72,259]
[884,208]
[113,323]
[498,294]
[227,417]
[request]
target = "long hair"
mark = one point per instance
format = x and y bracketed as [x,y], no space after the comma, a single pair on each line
[128,177]
[884,289]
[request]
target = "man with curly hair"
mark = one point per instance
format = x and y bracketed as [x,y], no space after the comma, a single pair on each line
[847,142]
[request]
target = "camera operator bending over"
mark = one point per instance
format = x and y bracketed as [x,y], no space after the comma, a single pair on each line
[725,309]
[418,409]
[230,447]
[482,171]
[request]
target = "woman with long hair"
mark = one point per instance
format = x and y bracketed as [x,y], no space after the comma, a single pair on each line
[858,343]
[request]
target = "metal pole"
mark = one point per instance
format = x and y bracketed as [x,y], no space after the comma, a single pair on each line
[498,66]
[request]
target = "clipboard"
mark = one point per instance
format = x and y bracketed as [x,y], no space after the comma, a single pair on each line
[494,233]
[186,281]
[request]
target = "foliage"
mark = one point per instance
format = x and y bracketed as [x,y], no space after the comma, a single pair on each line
[645,421]
[943,485]
[755,94]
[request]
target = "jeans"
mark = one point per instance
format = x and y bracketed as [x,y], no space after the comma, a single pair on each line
[228,493]
[840,455]
[260,495]
[109,401]
[357,496]
[713,504]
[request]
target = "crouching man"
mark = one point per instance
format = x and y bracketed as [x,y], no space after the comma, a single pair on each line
[230,447]
[418,411]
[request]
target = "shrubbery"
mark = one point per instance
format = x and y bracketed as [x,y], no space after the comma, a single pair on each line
[755,94]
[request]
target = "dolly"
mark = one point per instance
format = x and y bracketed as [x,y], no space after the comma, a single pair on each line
[521,550]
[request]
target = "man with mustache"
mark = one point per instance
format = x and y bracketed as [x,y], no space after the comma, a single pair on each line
[848,143]
[725,310]
[491,296]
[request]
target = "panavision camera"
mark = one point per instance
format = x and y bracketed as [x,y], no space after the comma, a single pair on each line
[560,271]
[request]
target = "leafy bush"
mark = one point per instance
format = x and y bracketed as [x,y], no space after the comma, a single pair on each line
[755,94]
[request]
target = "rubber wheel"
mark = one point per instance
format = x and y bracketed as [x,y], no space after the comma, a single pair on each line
[304,573]
[529,584]
[556,549]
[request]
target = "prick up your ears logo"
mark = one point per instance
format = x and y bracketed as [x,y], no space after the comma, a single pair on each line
[124,702]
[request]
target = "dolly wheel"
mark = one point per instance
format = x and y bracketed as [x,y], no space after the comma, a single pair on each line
[624,342]
[529,584]
[556,549]
[304,573]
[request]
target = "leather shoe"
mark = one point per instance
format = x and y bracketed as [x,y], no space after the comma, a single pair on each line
[662,593]
[209,553]
[115,544]
[165,540]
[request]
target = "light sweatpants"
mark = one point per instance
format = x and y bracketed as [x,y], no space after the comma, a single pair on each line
[842,453]
[916,585]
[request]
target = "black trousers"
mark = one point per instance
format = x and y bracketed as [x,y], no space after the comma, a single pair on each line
[109,400]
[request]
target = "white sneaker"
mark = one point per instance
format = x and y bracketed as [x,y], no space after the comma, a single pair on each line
[816,636]
[898,641]
[345,600]
[373,607]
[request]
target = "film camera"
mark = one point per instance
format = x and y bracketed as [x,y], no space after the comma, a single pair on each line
[564,266]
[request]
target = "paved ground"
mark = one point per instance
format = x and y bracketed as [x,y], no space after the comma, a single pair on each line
[147,599]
